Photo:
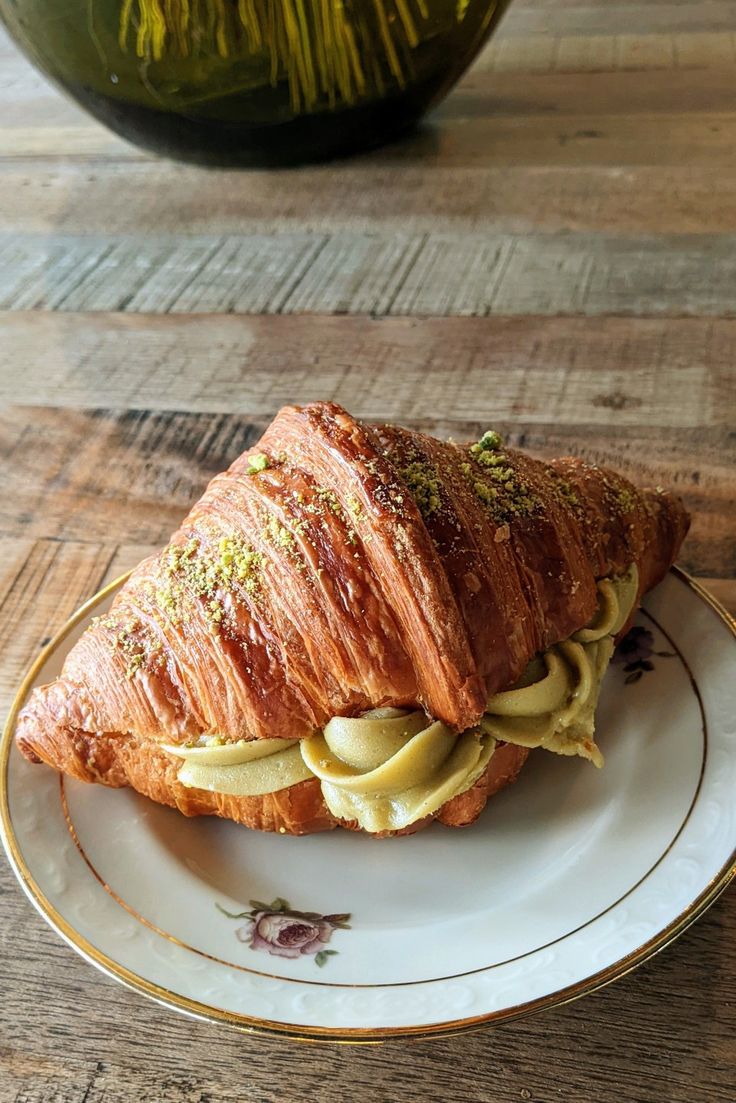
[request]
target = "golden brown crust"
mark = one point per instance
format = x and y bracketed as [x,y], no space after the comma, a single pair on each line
[332,569]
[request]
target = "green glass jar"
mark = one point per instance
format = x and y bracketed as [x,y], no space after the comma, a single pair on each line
[254,82]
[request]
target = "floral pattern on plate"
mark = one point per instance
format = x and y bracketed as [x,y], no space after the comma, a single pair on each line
[635,653]
[281,930]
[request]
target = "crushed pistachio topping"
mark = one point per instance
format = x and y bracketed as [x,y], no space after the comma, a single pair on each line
[192,570]
[327,502]
[626,499]
[328,499]
[135,662]
[424,485]
[130,639]
[564,490]
[284,539]
[355,508]
[487,494]
[490,442]
[238,561]
[278,534]
[502,490]
[623,498]
[215,611]
[256,463]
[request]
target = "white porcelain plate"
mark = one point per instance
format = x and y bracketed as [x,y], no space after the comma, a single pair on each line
[571,877]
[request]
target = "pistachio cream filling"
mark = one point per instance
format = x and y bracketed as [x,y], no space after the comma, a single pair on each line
[246,769]
[387,769]
[390,767]
[553,704]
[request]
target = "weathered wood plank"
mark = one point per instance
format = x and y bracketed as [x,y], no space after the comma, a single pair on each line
[118,477]
[588,17]
[51,576]
[373,273]
[84,139]
[352,272]
[654,51]
[262,270]
[567,274]
[512,153]
[657,372]
[512,53]
[127,556]
[461,276]
[617,140]
[583,53]
[640,94]
[606,52]
[708,49]
[73,198]
[46,273]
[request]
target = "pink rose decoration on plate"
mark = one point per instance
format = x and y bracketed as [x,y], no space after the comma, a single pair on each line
[281,930]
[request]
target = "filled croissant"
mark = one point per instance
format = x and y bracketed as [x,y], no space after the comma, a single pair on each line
[359,626]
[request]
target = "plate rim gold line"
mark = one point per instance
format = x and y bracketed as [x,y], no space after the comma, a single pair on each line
[346,1035]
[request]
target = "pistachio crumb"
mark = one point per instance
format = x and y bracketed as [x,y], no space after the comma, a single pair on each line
[328,499]
[565,491]
[193,570]
[278,534]
[425,486]
[256,463]
[626,499]
[486,493]
[503,490]
[355,508]
[490,442]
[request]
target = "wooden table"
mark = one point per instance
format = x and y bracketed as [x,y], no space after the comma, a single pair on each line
[556,255]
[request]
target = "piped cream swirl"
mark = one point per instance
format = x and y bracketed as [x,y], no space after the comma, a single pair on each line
[245,769]
[387,768]
[553,704]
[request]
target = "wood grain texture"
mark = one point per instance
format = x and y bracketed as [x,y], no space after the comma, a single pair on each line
[363,196]
[652,372]
[373,273]
[514,118]
[596,193]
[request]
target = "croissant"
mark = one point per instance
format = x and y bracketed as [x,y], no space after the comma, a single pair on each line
[359,626]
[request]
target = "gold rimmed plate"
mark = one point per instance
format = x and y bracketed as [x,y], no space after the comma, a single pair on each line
[571,877]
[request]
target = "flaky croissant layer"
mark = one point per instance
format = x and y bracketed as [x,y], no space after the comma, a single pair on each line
[333,569]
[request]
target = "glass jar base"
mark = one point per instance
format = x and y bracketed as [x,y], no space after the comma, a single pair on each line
[308,138]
